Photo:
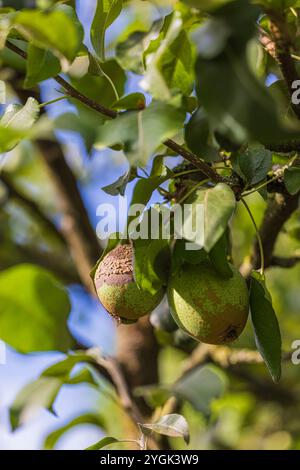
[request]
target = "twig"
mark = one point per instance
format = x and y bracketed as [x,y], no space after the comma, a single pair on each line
[56,100]
[110,368]
[262,185]
[69,88]
[84,99]
[234,360]
[221,355]
[192,158]
[72,92]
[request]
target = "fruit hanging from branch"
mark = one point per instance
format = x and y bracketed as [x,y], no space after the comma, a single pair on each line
[208,307]
[117,289]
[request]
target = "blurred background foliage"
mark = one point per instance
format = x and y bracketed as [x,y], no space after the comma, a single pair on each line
[226,407]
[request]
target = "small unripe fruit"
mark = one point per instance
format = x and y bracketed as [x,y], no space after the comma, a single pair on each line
[117,289]
[208,307]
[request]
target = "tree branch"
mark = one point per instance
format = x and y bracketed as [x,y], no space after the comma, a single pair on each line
[61,267]
[192,158]
[285,262]
[282,206]
[71,91]
[281,51]
[75,224]
[234,360]
[279,210]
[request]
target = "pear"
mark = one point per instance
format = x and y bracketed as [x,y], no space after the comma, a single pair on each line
[208,307]
[117,289]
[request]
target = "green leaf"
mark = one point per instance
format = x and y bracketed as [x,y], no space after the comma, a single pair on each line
[55,30]
[254,164]
[169,61]
[158,167]
[292,179]
[39,394]
[151,263]
[246,111]
[217,206]
[131,101]
[265,324]
[219,258]
[142,132]
[88,418]
[181,255]
[212,37]
[34,310]
[41,64]
[119,186]
[43,392]
[197,135]
[82,122]
[97,86]
[106,13]
[172,425]
[20,117]
[154,395]
[130,50]
[200,387]
[145,187]
[9,138]
[84,376]
[63,368]
[16,123]
[106,441]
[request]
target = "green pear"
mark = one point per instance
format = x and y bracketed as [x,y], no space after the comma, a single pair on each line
[117,289]
[208,307]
